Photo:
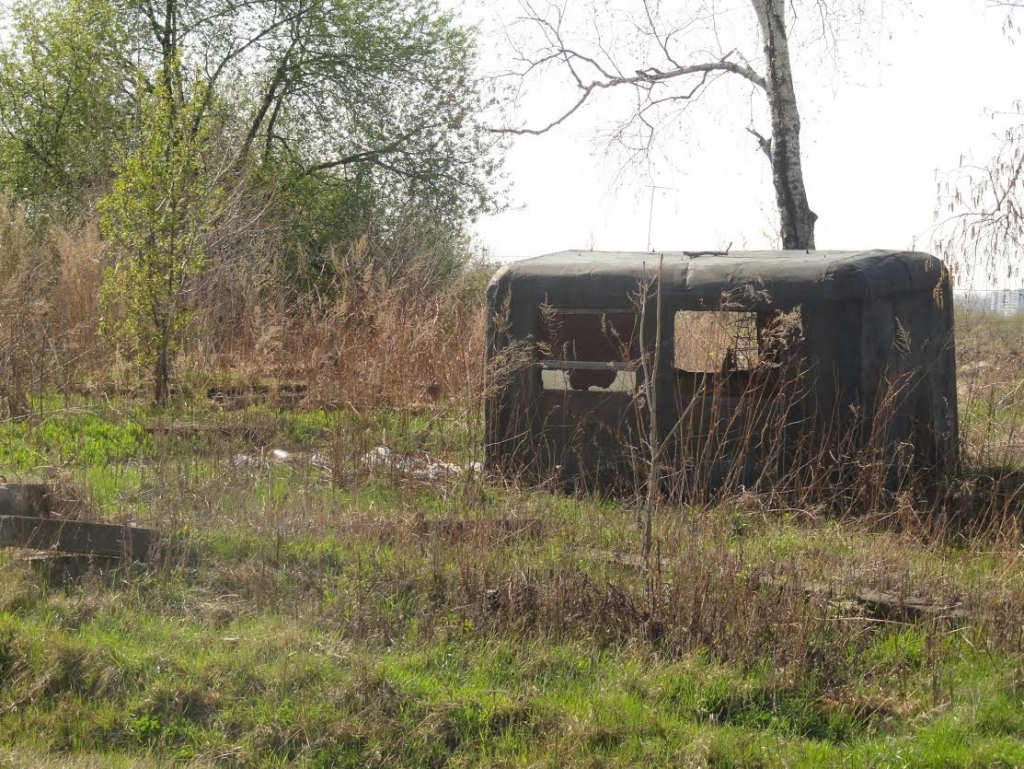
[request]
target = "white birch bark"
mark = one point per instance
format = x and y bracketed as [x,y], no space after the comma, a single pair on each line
[595,72]
[796,218]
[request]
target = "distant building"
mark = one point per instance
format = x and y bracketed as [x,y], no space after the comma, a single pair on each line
[1007,301]
[991,301]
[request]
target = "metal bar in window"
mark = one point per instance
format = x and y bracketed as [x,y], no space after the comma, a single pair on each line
[587,365]
[590,311]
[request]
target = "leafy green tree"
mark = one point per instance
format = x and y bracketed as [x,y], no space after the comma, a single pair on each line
[354,112]
[65,93]
[162,203]
[345,95]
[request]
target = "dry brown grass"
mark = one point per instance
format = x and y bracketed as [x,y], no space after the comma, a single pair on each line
[362,336]
[760,579]
[366,336]
[49,311]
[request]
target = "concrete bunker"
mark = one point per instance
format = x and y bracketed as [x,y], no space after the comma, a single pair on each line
[761,364]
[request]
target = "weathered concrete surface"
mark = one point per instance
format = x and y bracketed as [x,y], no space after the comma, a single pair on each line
[848,353]
[103,539]
[26,499]
[59,568]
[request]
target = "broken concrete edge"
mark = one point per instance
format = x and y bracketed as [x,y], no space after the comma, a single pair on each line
[909,608]
[877,604]
[69,567]
[34,500]
[236,390]
[78,537]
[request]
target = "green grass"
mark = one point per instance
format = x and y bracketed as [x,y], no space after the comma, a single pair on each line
[80,438]
[381,621]
[87,676]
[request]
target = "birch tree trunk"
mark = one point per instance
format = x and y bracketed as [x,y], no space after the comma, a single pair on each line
[795,215]
[670,79]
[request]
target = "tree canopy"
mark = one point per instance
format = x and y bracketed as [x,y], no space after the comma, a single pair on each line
[194,131]
[65,91]
[375,97]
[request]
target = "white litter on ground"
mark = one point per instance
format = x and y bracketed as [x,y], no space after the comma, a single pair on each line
[278,457]
[421,466]
[381,459]
[244,460]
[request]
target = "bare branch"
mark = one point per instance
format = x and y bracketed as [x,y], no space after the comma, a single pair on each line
[764,143]
[366,155]
[647,79]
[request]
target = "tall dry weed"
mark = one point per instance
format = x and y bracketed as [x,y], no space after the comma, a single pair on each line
[49,313]
[79,251]
[381,323]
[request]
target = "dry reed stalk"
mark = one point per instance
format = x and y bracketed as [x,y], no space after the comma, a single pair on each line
[371,338]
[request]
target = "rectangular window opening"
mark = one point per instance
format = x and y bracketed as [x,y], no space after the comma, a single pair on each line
[718,347]
[588,381]
[587,350]
[715,341]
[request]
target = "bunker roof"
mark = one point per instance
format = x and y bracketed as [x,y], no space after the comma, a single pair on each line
[784,277]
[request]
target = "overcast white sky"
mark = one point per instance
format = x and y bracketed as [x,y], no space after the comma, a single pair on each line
[876,136]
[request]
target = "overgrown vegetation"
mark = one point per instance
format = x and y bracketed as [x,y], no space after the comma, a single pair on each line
[249,153]
[162,204]
[286,188]
[337,604]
